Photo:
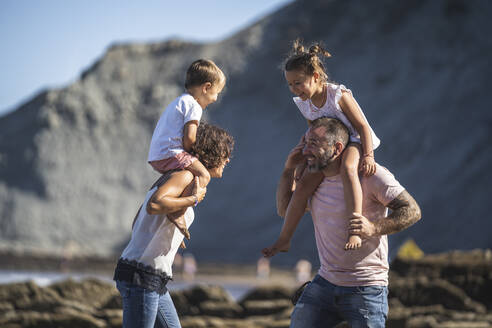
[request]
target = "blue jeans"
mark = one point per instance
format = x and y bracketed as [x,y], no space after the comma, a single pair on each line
[323,304]
[143,308]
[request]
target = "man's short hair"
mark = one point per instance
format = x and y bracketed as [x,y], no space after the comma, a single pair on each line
[336,131]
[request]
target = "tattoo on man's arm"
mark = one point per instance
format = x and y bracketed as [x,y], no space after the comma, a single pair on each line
[404,212]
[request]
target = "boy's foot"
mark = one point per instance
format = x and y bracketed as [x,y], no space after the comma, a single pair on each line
[180,223]
[276,248]
[354,242]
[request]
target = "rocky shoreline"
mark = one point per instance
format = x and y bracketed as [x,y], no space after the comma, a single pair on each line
[452,290]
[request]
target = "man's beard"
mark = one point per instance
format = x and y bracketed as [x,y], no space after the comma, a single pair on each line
[321,162]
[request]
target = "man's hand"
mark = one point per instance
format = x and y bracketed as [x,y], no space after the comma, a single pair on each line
[404,212]
[360,225]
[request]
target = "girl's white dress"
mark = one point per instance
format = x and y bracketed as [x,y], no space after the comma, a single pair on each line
[331,108]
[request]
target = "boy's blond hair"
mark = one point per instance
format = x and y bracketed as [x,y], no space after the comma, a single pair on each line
[202,71]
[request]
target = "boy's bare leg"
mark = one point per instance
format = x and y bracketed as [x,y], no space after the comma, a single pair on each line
[178,217]
[201,172]
[352,190]
[296,209]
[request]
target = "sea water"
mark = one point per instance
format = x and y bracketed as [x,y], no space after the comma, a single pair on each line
[237,291]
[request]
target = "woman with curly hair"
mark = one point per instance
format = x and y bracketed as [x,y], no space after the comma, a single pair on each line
[144,268]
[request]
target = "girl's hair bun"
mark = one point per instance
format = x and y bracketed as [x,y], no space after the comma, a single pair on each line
[317,50]
[297,47]
[308,61]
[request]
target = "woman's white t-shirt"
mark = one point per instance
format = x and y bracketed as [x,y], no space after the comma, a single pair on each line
[155,240]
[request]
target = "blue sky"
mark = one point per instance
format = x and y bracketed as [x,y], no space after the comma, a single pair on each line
[49,43]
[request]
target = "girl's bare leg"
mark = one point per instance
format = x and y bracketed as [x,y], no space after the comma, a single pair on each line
[296,209]
[352,189]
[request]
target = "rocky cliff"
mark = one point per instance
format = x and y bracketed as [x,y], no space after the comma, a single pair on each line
[73,160]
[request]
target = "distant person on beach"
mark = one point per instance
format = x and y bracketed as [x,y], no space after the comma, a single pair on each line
[175,133]
[348,286]
[145,266]
[303,271]
[189,267]
[317,97]
[263,268]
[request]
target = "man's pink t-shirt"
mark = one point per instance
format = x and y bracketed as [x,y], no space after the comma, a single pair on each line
[367,266]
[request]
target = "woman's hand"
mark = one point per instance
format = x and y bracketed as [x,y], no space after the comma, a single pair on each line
[198,191]
[367,165]
[173,194]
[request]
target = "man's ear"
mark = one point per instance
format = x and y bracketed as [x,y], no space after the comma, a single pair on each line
[316,76]
[339,148]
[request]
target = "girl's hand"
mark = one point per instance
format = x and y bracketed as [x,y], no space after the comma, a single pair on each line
[296,157]
[300,170]
[198,191]
[367,165]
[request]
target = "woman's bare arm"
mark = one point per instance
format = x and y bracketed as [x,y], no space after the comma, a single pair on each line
[167,198]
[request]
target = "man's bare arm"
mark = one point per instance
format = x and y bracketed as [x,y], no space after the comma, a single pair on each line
[404,212]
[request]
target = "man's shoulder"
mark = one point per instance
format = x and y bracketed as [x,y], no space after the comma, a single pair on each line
[382,186]
[382,177]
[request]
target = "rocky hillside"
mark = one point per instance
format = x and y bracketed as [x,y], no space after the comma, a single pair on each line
[73,160]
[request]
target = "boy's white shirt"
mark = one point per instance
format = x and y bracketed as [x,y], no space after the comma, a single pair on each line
[167,140]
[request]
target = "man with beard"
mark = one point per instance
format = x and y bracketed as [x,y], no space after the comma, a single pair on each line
[350,286]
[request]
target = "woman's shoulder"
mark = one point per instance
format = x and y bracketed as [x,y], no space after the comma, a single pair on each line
[182,175]
[174,177]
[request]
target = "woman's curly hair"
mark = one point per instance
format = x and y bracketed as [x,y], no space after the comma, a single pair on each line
[213,145]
